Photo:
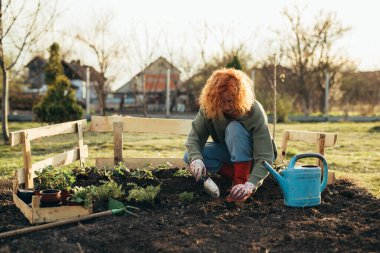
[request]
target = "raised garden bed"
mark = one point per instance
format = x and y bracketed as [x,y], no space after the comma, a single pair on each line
[347,220]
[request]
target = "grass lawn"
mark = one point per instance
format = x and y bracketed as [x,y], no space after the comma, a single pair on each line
[356,154]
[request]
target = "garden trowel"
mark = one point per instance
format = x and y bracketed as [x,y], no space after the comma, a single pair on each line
[210,187]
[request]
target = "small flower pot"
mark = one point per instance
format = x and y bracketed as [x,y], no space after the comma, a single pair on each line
[50,197]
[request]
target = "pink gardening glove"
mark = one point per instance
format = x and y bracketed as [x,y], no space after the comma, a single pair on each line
[241,192]
[197,169]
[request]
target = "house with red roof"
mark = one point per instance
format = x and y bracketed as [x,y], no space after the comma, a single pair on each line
[152,82]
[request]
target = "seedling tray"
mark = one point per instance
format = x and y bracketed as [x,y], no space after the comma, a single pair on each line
[36,214]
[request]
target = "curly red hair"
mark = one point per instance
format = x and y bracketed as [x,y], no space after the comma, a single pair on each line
[236,83]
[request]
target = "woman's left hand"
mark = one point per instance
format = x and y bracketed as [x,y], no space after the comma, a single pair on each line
[241,192]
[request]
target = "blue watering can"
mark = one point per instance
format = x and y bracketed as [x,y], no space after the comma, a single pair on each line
[301,186]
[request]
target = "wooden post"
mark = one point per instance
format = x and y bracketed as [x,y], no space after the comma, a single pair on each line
[27,155]
[168,93]
[284,145]
[118,141]
[88,92]
[321,150]
[80,143]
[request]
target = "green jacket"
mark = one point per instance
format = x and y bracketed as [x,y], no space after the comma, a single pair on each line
[255,122]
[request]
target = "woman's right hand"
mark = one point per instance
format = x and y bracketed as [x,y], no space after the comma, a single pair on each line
[197,169]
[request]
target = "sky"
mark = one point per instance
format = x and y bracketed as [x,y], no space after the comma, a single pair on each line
[182,19]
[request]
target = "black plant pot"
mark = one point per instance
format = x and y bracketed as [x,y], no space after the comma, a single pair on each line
[25,195]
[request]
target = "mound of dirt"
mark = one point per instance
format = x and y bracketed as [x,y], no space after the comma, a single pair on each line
[347,220]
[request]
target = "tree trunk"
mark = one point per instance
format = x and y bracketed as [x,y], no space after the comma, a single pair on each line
[100,93]
[5,104]
[102,100]
[5,99]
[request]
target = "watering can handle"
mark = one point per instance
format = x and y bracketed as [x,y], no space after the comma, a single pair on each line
[295,158]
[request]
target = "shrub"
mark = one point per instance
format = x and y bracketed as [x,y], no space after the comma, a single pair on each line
[59,104]
[284,107]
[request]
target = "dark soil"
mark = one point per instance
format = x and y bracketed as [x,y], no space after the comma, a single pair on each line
[348,220]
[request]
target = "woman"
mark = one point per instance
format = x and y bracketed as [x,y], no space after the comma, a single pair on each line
[237,124]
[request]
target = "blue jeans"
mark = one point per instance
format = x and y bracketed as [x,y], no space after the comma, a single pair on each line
[238,148]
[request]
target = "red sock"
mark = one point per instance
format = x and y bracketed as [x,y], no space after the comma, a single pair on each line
[227,171]
[241,172]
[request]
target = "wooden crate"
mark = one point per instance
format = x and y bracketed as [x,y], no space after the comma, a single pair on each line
[24,176]
[36,214]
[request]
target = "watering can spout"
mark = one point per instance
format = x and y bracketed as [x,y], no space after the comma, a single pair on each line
[279,178]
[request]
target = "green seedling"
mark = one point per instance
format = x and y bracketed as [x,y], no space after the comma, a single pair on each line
[81,195]
[140,194]
[142,174]
[182,173]
[164,166]
[104,172]
[132,185]
[186,196]
[52,178]
[107,190]
[119,169]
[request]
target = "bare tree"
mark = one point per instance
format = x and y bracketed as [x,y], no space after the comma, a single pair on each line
[143,50]
[216,46]
[107,51]
[21,26]
[310,53]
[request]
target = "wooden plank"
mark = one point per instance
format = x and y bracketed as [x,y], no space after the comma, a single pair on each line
[311,137]
[284,145]
[331,178]
[20,175]
[15,181]
[140,162]
[24,208]
[50,214]
[46,131]
[80,144]
[27,158]
[58,160]
[321,149]
[142,125]
[61,159]
[118,141]
[36,201]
